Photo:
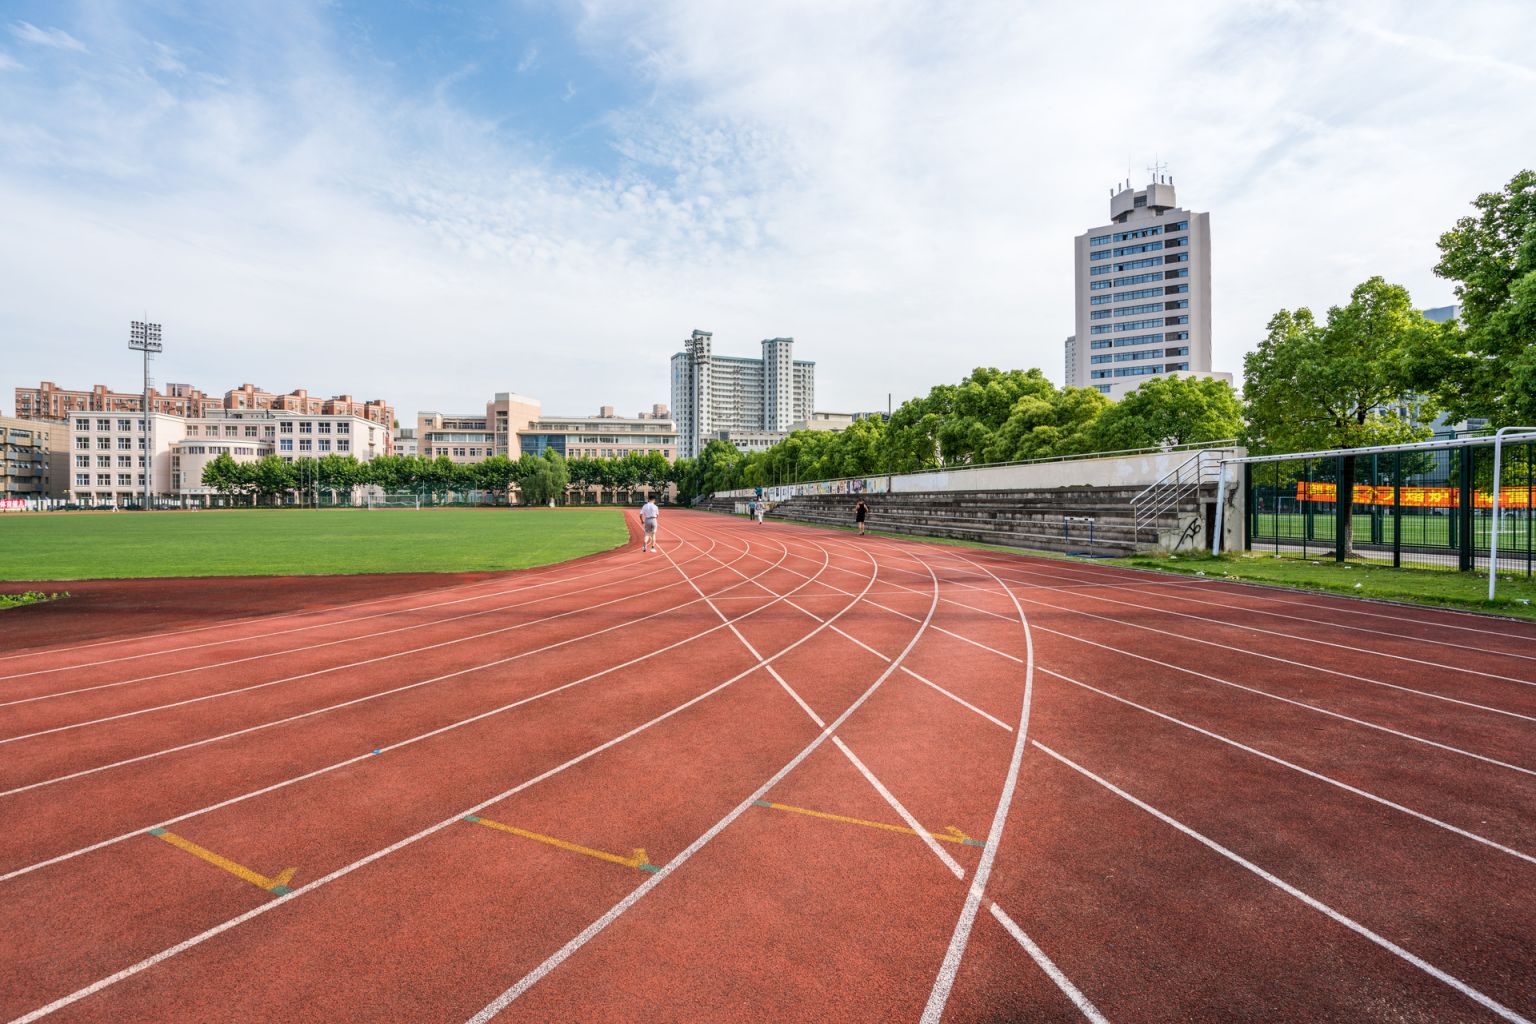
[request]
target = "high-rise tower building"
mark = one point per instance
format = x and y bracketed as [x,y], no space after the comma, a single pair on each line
[1143,292]
[716,396]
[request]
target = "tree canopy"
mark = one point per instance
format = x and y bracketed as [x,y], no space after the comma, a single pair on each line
[1488,365]
[1170,411]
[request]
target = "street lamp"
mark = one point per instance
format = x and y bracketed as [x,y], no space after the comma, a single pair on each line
[145,337]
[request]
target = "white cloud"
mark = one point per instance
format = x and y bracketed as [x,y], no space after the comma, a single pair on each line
[9,63]
[897,185]
[56,38]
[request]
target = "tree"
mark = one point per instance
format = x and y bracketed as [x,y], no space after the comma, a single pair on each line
[271,476]
[1340,384]
[223,474]
[1488,365]
[1167,411]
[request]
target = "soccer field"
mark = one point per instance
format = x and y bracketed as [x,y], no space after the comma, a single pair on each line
[282,542]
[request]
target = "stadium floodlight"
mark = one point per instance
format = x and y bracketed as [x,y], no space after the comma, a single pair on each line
[145,337]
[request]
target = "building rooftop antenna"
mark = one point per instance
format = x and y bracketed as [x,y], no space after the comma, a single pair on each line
[1156,170]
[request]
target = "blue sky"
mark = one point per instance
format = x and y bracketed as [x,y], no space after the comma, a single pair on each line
[431,201]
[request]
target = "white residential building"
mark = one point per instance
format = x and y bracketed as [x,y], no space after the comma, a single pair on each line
[108,457]
[1143,302]
[724,396]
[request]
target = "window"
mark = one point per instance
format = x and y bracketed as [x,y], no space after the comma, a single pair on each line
[1171,367]
[103,424]
[125,479]
[82,479]
[325,428]
[1138,325]
[230,430]
[306,427]
[1098,239]
[285,445]
[250,431]
[1137,339]
[1099,314]
[1181,225]
[343,445]
[124,425]
[1099,300]
[125,461]
[1178,336]
[1103,388]
[1131,250]
[124,444]
[1104,343]
[324,444]
[343,428]
[1179,304]
[1176,320]
[1096,271]
[1182,257]
[82,424]
[286,427]
[1174,243]
[1184,272]
[83,443]
[82,462]
[1121,282]
[1140,293]
[103,479]
[1101,329]
[1102,254]
[1176,289]
[268,431]
[1149,307]
[459,452]
[305,444]
[103,462]
[1182,350]
[1096,286]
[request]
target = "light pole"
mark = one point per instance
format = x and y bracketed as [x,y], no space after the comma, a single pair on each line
[145,337]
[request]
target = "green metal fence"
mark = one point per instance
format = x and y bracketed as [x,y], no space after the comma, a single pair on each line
[1427,506]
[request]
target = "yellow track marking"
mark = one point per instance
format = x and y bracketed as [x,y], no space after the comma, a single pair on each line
[637,860]
[949,835]
[278,883]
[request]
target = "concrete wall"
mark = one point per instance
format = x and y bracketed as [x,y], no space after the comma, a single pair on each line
[1122,471]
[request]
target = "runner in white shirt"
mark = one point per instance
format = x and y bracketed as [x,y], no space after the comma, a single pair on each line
[648,514]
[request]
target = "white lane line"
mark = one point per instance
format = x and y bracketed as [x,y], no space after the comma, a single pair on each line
[869,776]
[907,816]
[958,700]
[1482,1000]
[1383,801]
[944,982]
[365,757]
[1071,991]
[296,629]
[349,703]
[533,977]
[1295,703]
[307,675]
[327,643]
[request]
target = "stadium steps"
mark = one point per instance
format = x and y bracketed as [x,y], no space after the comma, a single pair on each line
[1041,520]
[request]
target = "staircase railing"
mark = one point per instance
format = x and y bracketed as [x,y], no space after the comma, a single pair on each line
[1173,487]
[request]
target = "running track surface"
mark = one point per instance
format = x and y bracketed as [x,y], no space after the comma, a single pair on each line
[776,773]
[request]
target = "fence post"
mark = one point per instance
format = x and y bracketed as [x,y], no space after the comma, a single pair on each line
[1250,513]
[1397,510]
[1342,509]
[1464,511]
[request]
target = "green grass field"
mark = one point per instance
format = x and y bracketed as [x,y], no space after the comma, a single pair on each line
[282,542]
[1419,530]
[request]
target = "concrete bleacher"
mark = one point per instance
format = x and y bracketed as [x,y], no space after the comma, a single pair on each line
[1045,519]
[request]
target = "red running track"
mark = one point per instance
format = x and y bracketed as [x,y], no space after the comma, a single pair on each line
[774,773]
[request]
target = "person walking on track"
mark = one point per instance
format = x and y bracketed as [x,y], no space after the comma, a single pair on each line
[860,513]
[648,515]
[757,510]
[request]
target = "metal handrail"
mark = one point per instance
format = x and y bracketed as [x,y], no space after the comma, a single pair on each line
[1172,487]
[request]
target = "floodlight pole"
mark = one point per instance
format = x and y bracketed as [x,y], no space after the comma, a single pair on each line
[1493,534]
[145,337]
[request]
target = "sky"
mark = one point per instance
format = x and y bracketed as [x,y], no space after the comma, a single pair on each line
[429,201]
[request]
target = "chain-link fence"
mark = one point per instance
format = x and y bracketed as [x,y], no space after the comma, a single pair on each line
[1424,506]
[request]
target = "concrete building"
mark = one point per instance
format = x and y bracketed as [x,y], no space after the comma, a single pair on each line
[714,395]
[471,437]
[108,457]
[403,441]
[48,401]
[1071,381]
[1143,303]
[604,436]
[34,459]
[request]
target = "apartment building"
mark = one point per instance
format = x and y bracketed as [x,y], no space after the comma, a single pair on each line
[48,401]
[604,436]
[716,395]
[1143,304]
[34,459]
[109,456]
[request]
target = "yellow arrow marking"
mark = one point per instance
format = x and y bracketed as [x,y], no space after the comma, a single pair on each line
[276,884]
[949,835]
[637,859]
